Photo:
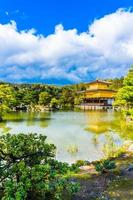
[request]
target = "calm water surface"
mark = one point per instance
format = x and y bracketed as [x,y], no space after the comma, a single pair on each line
[87,132]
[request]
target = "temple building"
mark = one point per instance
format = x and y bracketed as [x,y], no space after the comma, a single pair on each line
[98,95]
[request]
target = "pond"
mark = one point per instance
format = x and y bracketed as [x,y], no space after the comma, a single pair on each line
[77,135]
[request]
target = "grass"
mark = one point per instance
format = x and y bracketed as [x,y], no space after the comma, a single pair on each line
[121,189]
[79,176]
[72,149]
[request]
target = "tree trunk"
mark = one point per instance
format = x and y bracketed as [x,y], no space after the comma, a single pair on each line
[1,119]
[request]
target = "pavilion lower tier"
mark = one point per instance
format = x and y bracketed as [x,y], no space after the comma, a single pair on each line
[97,103]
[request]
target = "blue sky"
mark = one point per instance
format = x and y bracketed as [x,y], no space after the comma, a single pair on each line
[44,15]
[61,41]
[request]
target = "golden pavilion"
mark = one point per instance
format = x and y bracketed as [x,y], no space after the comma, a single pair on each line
[98,95]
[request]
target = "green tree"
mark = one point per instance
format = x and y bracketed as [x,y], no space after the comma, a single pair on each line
[78,100]
[54,103]
[67,98]
[128,80]
[44,98]
[6,99]
[124,97]
[116,83]
[28,169]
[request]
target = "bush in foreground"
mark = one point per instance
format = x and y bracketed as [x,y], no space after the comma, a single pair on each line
[105,166]
[28,169]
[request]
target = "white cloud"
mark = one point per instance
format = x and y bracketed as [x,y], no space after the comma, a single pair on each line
[104,50]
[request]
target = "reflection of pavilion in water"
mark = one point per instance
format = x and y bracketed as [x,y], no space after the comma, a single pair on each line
[105,122]
[97,96]
[98,123]
[98,128]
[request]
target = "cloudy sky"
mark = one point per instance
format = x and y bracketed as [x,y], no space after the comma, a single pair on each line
[64,42]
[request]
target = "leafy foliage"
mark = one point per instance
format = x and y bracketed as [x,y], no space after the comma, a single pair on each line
[28,169]
[54,103]
[124,97]
[63,97]
[105,166]
[44,98]
[6,98]
[28,96]
[116,83]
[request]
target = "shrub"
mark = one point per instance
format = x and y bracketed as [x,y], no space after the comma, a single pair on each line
[105,166]
[28,169]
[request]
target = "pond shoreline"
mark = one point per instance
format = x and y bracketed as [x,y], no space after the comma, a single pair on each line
[107,186]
